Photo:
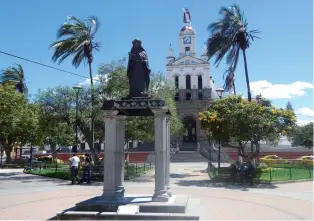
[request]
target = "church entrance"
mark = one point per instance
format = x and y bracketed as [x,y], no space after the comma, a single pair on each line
[189,137]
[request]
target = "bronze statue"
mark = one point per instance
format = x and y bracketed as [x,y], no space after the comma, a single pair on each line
[138,71]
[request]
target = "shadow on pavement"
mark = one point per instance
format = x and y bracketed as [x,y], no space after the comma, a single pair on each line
[180,175]
[8,174]
[208,183]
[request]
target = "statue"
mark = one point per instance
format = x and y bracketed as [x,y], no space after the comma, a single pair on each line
[138,71]
[186,15]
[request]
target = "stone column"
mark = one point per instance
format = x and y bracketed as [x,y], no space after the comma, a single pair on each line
[160,155]
[119,155]
[168,158]
[113,155]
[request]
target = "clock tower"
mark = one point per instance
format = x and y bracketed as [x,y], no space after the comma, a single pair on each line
[187,37]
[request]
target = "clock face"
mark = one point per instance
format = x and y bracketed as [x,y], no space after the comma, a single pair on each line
[187,40]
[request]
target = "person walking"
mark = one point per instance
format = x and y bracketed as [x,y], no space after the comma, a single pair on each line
[87,169]
[74,163]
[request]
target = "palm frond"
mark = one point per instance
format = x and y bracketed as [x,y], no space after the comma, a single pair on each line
[77,40]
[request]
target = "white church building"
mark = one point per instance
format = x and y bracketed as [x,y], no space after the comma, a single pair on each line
[190,75]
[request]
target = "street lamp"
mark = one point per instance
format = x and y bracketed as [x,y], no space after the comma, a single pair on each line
[77,90]
[219,92]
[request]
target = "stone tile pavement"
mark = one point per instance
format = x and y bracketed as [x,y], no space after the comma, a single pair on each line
[31,197]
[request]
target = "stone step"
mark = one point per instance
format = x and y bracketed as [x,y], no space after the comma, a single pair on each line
[188,157]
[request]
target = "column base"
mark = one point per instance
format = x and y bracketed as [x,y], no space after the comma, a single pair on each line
[161,197]
[120,191]
[168,190]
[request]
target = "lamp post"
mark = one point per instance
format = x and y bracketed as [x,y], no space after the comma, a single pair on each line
[77,90]
[219,92]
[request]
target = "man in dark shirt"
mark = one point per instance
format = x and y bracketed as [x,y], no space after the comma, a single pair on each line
[87,169]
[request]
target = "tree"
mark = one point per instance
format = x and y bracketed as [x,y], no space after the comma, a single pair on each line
[58,113]
[303,136]
[289,106]
[17,76]
[12,107]
[30,130]
[229,35]
[78,40]
[236,119]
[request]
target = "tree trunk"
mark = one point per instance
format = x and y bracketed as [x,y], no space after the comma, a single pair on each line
[247,77]
[94,155]
[91,143]
[8,155]
[31,154]
[21,151]
[234,90]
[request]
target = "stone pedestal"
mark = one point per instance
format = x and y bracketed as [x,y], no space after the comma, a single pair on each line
[113,204]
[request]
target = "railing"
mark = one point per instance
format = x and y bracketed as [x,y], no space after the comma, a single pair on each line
[63,171]
[266,174]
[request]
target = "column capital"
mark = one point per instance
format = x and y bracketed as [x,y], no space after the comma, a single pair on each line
[160,112]
[120,117]
[111,113]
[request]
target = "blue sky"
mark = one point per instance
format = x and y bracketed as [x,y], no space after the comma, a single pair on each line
[280,64]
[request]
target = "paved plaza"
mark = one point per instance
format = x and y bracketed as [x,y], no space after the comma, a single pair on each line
[25,196]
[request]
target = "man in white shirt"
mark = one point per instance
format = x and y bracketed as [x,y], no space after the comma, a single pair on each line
[75,162]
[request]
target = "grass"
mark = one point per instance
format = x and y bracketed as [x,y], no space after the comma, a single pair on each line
[269,174]
[62,171]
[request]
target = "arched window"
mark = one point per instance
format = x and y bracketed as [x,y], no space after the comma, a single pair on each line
[199,82]
[188,96]
[188,82]
[176,82]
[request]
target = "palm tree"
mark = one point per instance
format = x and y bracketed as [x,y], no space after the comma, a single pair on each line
[229,35]
[17,76]
[78,40]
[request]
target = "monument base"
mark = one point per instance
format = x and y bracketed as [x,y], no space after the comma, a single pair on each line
[130,207]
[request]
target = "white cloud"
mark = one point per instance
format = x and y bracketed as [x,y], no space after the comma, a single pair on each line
[305,111]
[87,81]
[278,91]
[305,115]
[303,122]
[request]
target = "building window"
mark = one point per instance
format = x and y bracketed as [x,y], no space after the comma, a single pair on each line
[200,95]
[176,82]
[176,97]
[200,82]
[187,51]
[188,96]
[187,62]
[188,82]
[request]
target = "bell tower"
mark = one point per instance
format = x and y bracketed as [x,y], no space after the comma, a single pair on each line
[187,36]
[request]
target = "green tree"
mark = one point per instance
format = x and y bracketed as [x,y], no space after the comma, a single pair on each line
[78,40]
[30,130]
[236,119]
[289,106]
[229,35]
[17,76]
[12,107]
[58,113]
[303,136]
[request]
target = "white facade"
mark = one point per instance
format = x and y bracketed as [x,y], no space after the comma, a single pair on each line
[187,65]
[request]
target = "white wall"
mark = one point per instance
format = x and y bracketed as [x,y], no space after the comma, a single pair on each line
[183,70]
